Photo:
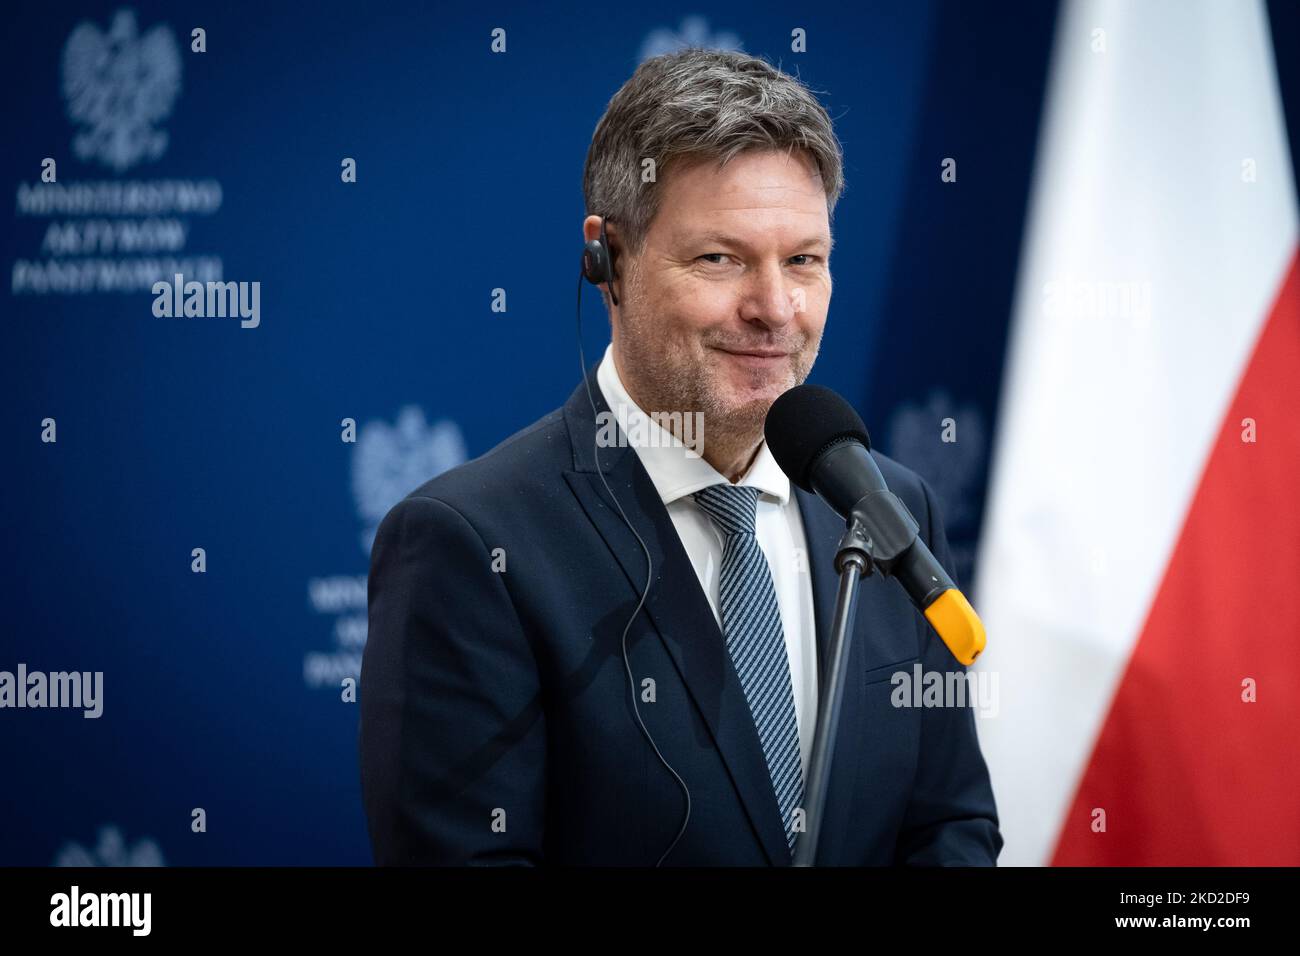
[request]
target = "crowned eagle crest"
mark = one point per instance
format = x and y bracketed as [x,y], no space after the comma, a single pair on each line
[118,86]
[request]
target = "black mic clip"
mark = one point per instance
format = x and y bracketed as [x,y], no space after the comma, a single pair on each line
[886,526]
[855,549]
[880,526]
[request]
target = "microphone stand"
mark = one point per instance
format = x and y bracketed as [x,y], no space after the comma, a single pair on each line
[852,561]
[880,530]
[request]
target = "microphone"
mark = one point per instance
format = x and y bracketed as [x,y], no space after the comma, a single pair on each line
[821,444]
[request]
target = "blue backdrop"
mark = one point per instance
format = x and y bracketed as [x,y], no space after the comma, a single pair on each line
[222,689]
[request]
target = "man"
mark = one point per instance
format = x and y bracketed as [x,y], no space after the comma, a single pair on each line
[519,705]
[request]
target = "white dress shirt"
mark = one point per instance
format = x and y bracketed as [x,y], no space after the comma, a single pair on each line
[778,527]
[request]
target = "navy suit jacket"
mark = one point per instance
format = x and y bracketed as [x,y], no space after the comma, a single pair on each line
[496,716]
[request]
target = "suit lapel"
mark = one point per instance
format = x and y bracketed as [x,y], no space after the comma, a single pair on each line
[677,606]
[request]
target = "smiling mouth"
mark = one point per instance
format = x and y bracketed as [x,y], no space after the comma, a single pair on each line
[756,354]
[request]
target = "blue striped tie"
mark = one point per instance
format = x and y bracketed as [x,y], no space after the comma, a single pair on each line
[751,623]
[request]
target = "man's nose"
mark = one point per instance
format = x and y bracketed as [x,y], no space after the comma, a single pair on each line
[770,297]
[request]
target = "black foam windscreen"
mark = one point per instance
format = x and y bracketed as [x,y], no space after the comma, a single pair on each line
[803,423]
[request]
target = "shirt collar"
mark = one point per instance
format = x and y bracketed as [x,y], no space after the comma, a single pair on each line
[675,471]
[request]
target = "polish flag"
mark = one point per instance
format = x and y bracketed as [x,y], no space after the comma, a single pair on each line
[1139,573]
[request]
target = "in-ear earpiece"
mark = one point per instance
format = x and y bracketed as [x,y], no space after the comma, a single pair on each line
[594,264]
[597,262]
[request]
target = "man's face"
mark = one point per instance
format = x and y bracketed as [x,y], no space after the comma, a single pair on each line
[723,309]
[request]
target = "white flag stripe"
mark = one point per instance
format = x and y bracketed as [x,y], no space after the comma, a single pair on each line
[1110,403]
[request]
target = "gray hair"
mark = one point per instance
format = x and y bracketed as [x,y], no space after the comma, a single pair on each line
[692,105]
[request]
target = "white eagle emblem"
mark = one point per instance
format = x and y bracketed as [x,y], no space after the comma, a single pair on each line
[951,468]
[391,461]
[111,851]
[118,85]
[694,32]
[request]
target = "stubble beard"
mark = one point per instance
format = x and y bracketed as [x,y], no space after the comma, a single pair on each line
[666,378]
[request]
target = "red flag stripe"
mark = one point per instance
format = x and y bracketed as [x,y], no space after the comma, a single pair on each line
[1186,772]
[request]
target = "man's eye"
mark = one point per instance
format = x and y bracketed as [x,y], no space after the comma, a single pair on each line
[810,259]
